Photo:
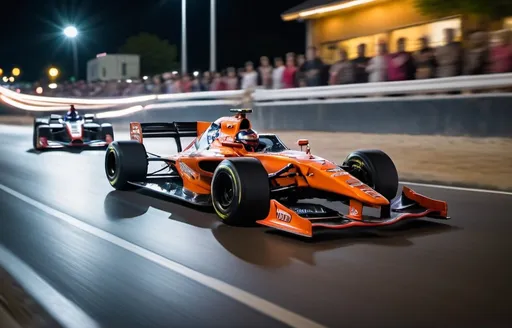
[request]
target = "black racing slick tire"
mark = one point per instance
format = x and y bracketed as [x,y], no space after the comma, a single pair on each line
[240,191]
[376,169]
[125,162]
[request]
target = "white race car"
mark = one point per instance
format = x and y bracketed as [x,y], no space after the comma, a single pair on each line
[71,130]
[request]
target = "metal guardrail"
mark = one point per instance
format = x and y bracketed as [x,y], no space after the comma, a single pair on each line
[427,86]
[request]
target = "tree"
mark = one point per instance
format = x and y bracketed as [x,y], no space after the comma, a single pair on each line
[485,11]
[156,55]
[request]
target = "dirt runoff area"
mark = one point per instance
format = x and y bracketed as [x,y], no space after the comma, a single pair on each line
[463,161]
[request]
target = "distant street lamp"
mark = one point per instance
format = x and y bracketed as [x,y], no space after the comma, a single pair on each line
[16,71]
[1,72]
[11,79]
[53,72]
[71,33]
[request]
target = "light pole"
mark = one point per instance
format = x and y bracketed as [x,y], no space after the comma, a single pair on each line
[71,32]
[213,45]
[183,36]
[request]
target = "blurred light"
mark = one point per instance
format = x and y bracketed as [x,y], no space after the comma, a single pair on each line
[39,90]
[11,79]
[344,5]
[52,85]
[1,72]
[18,90]
[196,73]
[53,72]
[129,81]
[175,72]
[70,32]
[145,78]
[16,71]
[5,78]
[103,54]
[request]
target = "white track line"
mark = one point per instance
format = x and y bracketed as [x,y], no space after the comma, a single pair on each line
[272,310]
[60,308]
[487,191]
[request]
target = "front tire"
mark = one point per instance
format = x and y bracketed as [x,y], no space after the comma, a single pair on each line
[125,162]
[376,169]
[241,191]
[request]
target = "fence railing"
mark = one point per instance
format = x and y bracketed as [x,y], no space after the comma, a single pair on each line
[428,86]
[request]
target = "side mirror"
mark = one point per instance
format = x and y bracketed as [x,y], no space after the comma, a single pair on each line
[302,143]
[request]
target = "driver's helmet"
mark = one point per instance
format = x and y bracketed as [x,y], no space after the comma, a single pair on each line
[249,138]
[72,114]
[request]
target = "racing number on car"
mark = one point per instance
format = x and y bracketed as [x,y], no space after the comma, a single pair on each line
[283,216]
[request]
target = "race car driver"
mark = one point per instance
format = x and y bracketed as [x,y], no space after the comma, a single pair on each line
[72,114]
[249,138]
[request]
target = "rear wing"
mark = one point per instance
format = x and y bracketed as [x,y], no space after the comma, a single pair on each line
[175,130]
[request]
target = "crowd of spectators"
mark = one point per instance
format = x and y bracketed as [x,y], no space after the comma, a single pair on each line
[480,56]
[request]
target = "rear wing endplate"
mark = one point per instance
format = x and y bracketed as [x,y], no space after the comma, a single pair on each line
[175,130]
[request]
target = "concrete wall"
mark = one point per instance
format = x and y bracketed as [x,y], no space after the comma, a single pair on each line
[483,116]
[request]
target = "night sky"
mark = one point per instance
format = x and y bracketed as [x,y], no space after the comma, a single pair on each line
[246,29]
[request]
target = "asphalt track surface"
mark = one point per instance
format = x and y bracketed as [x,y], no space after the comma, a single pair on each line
[127,259]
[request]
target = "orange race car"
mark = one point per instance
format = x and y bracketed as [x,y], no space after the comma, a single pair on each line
[250,178]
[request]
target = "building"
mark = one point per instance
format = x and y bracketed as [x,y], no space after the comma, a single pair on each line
[113,67]
[335,24]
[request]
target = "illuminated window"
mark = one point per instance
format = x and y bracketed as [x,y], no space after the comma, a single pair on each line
[508,23]
[436,31]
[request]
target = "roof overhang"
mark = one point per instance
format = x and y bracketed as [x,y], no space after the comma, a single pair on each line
[314,12]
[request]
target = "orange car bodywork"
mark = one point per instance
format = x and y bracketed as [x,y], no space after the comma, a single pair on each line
[315,172]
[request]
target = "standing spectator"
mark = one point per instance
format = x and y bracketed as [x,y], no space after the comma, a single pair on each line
[501,53]
[249,77]
[265,71]
[477,57]
[218,83]
[300,75]
[278,73]
[449,56]
[360,63]
[313,68]
[342,72]
[186,84]
[231,79]
[400,64]
[290,71]
[377,66]
[425,61]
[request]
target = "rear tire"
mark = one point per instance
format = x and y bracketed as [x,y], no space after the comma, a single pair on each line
[107,130]
[125,161]
[241,191]
[376,169]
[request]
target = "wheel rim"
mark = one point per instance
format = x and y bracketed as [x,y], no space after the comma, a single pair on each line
[224,190]
[111,164]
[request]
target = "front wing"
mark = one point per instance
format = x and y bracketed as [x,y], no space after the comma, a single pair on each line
[53,144]
[304,221]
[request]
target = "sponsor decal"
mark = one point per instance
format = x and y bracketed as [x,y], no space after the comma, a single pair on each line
[283,216]
[354,182]
[339,174]
[353,211]
[135,133]
[336,169]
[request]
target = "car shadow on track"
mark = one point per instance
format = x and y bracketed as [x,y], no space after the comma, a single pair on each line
[277,249]
[70,150]
[262,246]
[119,205]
